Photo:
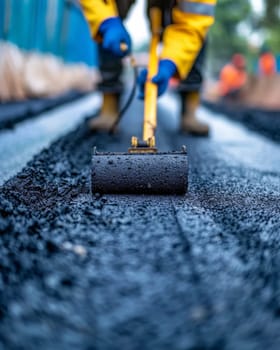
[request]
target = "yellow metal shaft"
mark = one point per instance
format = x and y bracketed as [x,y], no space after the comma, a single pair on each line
[150,104]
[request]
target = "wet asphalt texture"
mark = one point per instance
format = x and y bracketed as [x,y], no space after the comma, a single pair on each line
[196,272]
[14,112]
[266,122]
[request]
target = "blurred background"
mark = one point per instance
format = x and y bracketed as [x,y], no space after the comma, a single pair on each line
[47,26]
[58,28]
[244,26]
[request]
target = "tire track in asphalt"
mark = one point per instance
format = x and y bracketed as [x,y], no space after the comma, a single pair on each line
[231,218]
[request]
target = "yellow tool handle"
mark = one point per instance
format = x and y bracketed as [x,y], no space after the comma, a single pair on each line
[151,91]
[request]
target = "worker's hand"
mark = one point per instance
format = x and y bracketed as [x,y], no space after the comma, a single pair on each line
[166,70]
[115,36]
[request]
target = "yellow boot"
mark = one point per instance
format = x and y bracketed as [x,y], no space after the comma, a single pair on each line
[190,124]
[108,114]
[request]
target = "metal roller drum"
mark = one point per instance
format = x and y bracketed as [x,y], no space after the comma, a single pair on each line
[140,173]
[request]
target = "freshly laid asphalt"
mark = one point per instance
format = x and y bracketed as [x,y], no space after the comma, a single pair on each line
[28,138]
[199,271]
[264,121]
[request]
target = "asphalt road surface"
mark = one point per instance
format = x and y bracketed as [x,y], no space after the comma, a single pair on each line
[144,272]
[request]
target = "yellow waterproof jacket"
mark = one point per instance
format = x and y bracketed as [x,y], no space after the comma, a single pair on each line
[182,40]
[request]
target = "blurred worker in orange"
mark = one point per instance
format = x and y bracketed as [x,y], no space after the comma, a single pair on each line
[233,77]
[267,62]
[185,23]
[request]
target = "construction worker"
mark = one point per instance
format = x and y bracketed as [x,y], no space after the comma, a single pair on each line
[233,77]
[186,25]
[267,62]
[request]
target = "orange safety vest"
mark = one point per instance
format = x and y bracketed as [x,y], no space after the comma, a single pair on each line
[231,79]
[267,64]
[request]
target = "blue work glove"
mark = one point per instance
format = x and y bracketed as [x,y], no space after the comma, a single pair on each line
[166,70]
[113,35]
